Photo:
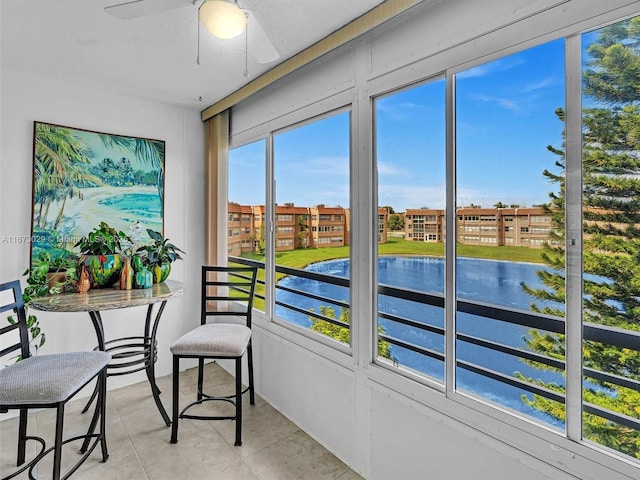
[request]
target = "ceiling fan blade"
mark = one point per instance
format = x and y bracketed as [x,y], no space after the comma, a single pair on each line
[260,45]
[141,8]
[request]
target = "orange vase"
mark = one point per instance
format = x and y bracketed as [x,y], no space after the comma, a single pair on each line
[126,275]
[84,284]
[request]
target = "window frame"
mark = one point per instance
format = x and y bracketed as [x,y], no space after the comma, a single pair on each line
[313,113]
[418,388]
[573,216]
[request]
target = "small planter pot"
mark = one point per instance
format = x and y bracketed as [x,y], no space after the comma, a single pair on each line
[104,270]
[137,263]
[161,272]
[56,278]
[126,275]
[143,278]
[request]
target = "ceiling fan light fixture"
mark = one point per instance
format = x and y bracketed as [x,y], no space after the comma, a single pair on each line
[223,19]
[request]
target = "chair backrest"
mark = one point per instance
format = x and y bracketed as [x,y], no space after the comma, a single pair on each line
[228,291]
[11,301]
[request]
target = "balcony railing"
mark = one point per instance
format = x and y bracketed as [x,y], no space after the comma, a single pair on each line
[605,335]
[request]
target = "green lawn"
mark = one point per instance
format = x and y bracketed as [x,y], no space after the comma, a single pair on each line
[397,246]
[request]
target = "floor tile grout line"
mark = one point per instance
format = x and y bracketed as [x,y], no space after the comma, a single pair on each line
[131,442]
[121,410]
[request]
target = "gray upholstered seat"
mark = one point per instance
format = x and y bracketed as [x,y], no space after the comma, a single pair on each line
[47,379]
[227,296]
[216,339]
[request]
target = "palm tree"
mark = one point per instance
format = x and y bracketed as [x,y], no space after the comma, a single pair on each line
[145,150]
[60,160]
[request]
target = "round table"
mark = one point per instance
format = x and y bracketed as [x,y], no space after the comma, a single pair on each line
[129,354]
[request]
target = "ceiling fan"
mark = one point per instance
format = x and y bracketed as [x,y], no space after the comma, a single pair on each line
[219,12]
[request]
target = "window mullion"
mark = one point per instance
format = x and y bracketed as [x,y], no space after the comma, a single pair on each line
[573,215]
[450,237]
[270,248]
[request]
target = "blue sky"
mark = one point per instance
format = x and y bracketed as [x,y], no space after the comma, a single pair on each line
[504,121]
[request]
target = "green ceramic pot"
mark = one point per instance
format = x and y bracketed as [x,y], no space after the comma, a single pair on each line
[143,278]
[136,261]
[104,270]
[161,272]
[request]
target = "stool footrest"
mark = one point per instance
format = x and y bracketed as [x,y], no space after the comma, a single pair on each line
[208,398]
[43,451]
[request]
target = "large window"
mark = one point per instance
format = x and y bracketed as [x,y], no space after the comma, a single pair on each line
[510,276]
[520,318]
[505,119]
[611,239]
[410,154]
[311,173]
[246,205]
[309,234]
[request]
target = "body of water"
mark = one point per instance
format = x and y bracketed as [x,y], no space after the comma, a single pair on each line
[487,281]
[133,207]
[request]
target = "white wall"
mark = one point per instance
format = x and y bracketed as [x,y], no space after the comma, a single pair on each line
[25,98]
[383,425]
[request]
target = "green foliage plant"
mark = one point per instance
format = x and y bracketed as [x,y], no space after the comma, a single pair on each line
[38,337]
[40,284]
[160,250]
[102,240]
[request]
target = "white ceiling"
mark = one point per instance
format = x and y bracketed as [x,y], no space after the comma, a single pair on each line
[154,56]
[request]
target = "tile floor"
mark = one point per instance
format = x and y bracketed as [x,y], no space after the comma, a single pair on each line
[273,447]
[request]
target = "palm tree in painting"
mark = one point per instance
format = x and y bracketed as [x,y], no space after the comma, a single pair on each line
[76,176]
[145,150]
[42,193]
[59,169]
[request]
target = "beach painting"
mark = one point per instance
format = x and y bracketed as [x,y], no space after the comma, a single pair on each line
[82,178]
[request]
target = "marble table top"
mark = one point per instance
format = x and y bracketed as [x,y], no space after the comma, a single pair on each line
[99,299]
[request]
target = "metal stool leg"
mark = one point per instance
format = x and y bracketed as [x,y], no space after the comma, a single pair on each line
[174,423]
[102,378]
[252,396]
[238,402]
[22,434]
[200,378]
[57,455]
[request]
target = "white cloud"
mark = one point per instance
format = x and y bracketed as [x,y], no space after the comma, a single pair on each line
[506,103]
[387,168]
[483,70]
[544,83]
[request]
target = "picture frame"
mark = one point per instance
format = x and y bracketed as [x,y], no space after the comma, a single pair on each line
[83,177]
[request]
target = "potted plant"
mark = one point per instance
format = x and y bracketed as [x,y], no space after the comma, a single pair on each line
[159,255]
[47,276]
[100,250]
[37,336]
[59,272]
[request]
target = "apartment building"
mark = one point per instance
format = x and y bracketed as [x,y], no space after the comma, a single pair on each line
[328,226]
[519,227]
[383,225]
[292,227]
[295,227]
[424,225]
[240,231]
[523,227]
